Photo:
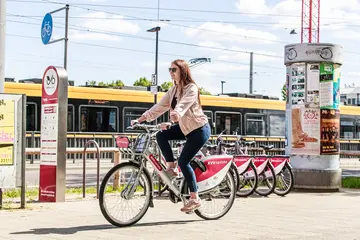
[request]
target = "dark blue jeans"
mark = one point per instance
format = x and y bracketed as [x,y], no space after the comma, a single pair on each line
[195,141]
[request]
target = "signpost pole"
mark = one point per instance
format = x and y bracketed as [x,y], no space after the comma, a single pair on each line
[54,102]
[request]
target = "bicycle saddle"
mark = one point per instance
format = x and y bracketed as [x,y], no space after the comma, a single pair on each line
[249,143]
[228,144]
[210,146]
[196,163]
[267,147]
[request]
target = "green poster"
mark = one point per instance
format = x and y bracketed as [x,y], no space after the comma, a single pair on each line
[326,72]
[327,86]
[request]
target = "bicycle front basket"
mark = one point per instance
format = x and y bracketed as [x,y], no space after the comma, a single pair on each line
[140,143]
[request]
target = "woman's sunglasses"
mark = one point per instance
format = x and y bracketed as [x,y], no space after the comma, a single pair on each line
[172,70]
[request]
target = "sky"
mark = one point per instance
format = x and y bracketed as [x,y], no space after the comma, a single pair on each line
[108,39]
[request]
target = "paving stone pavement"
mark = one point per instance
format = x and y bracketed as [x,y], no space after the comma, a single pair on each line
[298,216]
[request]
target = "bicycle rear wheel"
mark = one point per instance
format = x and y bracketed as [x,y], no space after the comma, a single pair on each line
[268,178]
[216,196]
[284,181]
[132,187]
[247,185]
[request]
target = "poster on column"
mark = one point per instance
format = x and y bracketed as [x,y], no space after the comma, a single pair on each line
[297,84]
[336,87]
[330,131]
[326,85]
[305,131]
[312,85]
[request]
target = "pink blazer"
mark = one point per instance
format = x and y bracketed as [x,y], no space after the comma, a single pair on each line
[188,108]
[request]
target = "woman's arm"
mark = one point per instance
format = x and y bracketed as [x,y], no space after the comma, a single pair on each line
[157,110]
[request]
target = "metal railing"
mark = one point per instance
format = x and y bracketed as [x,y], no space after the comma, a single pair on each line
[107,140]
[97,167]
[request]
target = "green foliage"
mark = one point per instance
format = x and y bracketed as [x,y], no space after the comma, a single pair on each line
[203,91]
[166,85]
[142,82]
[116,83]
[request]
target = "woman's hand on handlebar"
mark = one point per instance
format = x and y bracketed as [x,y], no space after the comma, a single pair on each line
[139,120]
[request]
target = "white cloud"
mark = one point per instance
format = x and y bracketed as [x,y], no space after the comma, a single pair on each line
[229,33]
[287,13]
[209,76]
[253,6]
[152,64]
[104,23]
[260,56]
[77,35]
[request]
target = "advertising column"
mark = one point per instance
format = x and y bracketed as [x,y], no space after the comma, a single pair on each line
[54,103]
[313,114]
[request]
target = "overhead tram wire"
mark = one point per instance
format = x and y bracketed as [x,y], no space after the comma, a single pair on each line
[151,52]
[80,28]
[171,9]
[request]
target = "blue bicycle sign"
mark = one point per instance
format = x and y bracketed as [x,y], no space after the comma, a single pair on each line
[46,28]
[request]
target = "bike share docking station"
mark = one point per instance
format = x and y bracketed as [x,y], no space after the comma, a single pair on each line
[313,114]
[54,101]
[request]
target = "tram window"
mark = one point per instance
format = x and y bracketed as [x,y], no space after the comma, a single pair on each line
[31,116]
[255,125]
[132,114]
[277,125]
[230,121]
[70,119]
[347,128]
[98,119]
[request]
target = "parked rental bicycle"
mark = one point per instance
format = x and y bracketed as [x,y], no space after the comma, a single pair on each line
[283,172]
[134,188]
[279,163]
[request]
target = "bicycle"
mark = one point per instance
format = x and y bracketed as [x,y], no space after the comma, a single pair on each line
[46,29]
[247,173]
[283,172]
[213,175]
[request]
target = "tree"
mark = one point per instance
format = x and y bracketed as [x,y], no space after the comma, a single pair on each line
[142,82]
[92,83]
[166,85]
[284,92]
[203,91]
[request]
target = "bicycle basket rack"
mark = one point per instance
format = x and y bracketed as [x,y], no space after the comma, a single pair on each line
[136,147]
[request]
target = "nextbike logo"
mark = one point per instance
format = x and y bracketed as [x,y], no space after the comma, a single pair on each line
[155,162]
[50,82]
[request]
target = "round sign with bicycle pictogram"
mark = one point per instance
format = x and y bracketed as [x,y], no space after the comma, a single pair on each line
[46,28]
[50,81]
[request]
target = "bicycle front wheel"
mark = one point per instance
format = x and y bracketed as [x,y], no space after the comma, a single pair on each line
[218,201]
[285,181]
[125,194]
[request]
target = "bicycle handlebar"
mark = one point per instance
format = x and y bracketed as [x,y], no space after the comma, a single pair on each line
[147,127]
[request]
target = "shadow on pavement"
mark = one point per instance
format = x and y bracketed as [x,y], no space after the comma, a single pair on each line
[73,230]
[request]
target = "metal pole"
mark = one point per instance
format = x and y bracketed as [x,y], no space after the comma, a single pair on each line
[2,44]
[222,87]
[23,154]
[66,36]
[251,73]
[156,65]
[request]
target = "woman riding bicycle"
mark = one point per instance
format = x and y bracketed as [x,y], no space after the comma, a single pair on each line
[183,101]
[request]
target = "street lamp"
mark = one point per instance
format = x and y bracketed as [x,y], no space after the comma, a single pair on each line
[222,87]
[292,32]
[156,29]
